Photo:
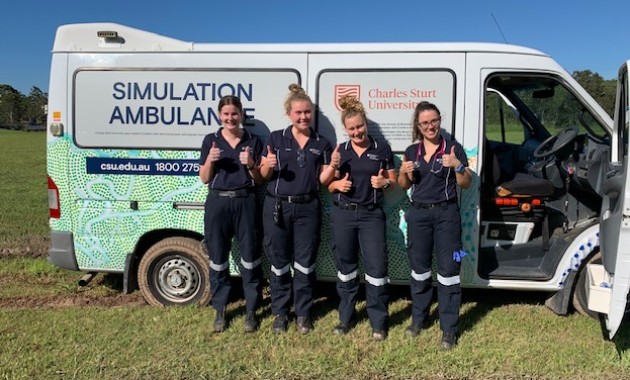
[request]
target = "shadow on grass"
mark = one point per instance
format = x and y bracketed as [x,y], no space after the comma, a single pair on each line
[327,301]
[477,303]
[622,338]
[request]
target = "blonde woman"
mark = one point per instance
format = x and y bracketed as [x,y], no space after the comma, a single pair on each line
[365,173]
[296,161]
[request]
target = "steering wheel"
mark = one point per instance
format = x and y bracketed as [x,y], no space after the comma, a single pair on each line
[555,143]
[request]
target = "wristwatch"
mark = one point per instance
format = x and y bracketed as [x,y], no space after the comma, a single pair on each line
[460,169]
[386,185]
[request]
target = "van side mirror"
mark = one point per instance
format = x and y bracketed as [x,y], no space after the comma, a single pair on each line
[543,94]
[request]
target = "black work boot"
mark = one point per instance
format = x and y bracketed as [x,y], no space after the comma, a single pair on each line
[219,321]
[304,325]
[449,340]
[341,329]
[379,335]
[413,329]
[280,324]
[251,322]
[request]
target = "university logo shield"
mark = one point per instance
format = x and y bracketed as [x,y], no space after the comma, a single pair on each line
[342,90]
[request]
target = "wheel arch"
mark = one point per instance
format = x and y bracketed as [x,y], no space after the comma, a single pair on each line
[583,249]
[145,242]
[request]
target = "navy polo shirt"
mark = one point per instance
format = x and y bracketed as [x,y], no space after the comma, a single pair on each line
[361,168]
[229,173]
[297,172]
[433,183]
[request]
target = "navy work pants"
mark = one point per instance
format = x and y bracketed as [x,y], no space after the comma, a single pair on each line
[355,233]
[293,241]
[224,219]
[438,226]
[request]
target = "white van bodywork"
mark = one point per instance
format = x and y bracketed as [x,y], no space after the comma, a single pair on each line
[128,110]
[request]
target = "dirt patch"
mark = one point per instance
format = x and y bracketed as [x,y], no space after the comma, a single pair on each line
[29,246]
[133,299]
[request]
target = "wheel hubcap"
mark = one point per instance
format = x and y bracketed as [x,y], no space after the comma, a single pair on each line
[178,279]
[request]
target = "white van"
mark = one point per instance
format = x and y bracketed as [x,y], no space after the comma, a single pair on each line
[128,111]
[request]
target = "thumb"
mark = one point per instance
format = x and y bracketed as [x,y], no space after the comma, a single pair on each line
[247,150]
[346,176]
[269,150]
[404,158]
[381,172]
[214,144]
[336,149]
[453,150]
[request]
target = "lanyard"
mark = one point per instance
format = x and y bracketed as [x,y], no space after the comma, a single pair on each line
[441,150]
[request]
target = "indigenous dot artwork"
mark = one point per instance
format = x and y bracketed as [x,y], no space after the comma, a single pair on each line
[96,209]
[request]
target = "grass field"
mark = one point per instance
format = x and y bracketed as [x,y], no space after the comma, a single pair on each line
[23,194]
[51,328]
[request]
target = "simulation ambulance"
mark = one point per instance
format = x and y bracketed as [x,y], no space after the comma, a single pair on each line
[128,109]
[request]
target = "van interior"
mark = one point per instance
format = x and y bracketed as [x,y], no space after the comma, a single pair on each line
[545,157]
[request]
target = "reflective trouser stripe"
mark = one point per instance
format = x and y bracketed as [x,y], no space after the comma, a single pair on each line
[448,281]
[219,268]
[250,265]
[281,271]
[347,277]
[420,277]
[303,269]
[376,281]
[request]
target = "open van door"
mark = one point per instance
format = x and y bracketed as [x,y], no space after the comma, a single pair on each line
[609,283]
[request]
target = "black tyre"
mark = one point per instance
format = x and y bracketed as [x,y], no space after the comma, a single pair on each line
[175,271]
[580,303]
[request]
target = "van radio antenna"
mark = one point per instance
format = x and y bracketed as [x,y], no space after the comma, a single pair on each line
[499,27]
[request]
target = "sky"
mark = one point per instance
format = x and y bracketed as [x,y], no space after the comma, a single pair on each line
[578,35]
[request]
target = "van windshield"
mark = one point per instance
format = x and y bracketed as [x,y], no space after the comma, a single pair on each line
[546,106]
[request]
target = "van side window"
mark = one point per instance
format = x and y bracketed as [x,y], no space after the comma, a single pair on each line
[502,121]
[522,111]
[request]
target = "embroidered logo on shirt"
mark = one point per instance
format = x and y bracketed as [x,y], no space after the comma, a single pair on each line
[373,157]
[315,151]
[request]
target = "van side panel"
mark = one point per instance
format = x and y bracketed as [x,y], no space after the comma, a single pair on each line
[390,85]
[133,141]
[62,251]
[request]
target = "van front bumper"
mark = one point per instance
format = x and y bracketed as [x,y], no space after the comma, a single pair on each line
[61,252]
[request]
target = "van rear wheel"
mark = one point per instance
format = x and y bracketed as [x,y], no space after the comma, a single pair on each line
[175,271]
[580,303]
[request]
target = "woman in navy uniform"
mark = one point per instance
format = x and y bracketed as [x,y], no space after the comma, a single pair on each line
[433,168]
[228,165]
[358,220]
[296,161]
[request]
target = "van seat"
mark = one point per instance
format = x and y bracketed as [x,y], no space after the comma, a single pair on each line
[526,185]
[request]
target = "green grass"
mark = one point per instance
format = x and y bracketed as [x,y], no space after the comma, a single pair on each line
[23,193]
[504,335]
[51,328]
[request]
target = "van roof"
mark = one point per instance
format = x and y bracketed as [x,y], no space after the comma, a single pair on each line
[98,37]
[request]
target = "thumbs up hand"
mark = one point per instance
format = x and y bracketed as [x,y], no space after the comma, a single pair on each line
[215,152]
[407,166]
[335,158]
[379,181]
[245,158]
[272,160]
[344,184]
[450,160]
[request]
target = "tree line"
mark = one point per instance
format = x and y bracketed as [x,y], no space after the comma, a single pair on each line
[17,109]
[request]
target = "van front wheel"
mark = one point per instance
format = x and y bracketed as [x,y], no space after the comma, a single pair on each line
[580,303]
[175,271]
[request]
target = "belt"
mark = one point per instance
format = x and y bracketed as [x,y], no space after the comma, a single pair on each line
[238,193]
[443,204]
[356,206]
[304,198]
